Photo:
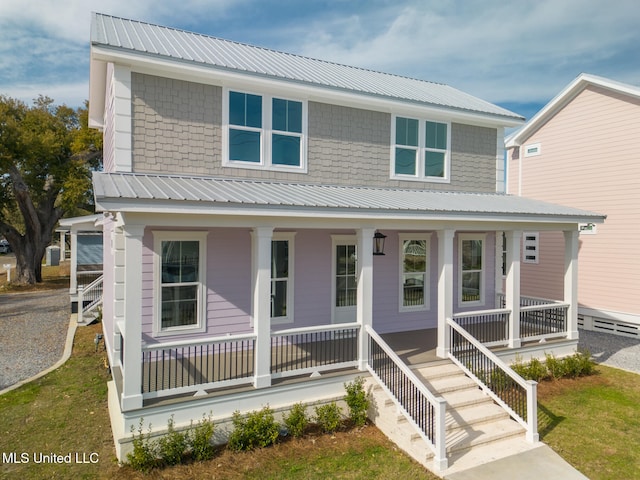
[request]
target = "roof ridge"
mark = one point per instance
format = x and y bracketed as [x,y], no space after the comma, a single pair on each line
[272,50]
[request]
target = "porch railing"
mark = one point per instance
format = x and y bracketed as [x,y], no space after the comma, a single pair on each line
[183,367]
[508,389]
[490,327]
[539,322]
[89,297]
[540,318]
[299,351]
[421,407]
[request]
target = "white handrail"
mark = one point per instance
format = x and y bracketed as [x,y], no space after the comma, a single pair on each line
[438,444]
[530,386]
[547,306]
[481,312]
[319,328]
[197,341]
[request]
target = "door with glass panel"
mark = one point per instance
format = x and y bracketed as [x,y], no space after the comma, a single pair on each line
[345,285]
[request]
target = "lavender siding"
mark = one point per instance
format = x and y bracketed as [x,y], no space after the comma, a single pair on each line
[108,283]
[229,283]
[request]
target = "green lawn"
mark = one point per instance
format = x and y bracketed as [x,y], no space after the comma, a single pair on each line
[593,422]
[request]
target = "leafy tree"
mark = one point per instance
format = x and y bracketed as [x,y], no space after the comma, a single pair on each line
[46,156]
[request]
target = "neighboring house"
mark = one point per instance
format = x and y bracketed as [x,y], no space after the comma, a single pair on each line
[269,218]
[85,255]
[581,150]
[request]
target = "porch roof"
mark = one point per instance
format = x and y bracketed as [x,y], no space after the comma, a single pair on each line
[137,192]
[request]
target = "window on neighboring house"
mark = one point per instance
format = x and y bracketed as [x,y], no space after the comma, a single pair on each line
[421,150]
[265,132]
[181,281]
[281,278]
[471,270]
[532,150]
[530,251]
[414,272]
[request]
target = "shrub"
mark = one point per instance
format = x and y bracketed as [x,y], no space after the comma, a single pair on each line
[328,417]
[297,420]
[585,363]
[143,457]
[556,368]
[357,401]
[257,429]
[173,445]
[200,439]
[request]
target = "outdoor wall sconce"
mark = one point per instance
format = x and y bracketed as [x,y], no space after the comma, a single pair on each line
[378,243]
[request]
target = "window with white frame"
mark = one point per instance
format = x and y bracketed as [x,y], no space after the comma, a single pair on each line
[180,260]
[531,245]
[265,132]
[471,269]
[282,278]
[421,150]
[532,150]
[414,272]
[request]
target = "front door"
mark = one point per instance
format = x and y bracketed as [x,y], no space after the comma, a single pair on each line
[345,286]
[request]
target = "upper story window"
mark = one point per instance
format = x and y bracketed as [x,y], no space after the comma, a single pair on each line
[532,150]
[264,132]
[421,150]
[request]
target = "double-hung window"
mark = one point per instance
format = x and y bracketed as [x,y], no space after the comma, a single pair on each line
[414,272]
[471,269]
[264,132]
[282,278]
[421,150]
[180,282]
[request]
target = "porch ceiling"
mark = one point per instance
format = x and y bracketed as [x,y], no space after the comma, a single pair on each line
[150,192]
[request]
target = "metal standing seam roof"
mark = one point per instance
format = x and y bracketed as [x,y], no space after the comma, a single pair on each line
[137,188]
[179,45]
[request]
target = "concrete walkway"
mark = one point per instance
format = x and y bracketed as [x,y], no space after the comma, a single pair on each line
[538,463]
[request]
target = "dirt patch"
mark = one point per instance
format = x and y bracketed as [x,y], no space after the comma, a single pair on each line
[550,388]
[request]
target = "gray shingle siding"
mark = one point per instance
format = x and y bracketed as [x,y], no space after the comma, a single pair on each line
[176,128]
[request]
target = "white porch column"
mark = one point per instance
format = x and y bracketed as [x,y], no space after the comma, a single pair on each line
[512,286]
[571,281]
[73,274]
[445,289]
[63,245]
[132,346]
[261,315]
[364,309]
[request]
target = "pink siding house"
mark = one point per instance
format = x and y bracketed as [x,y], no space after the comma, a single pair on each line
[275,226]
[582,150]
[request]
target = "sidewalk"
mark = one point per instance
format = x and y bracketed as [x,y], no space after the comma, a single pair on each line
[538,463]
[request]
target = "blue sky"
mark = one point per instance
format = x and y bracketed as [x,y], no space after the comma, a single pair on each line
[518,54]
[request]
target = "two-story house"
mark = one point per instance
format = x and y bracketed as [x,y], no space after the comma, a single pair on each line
[581,149]
[275,225]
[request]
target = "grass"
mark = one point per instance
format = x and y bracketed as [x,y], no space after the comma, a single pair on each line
[593,422]
[53,277]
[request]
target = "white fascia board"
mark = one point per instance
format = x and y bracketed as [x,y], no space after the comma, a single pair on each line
[97,87]
[320,214]
[565,96]
[188,71]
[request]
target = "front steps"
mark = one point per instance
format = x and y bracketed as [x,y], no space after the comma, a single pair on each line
[473,420]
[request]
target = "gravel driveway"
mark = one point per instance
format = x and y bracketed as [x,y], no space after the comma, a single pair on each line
[612,350]
[33,329]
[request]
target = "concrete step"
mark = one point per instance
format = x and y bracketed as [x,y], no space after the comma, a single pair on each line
[473,416]
[431,372]
[475,435]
